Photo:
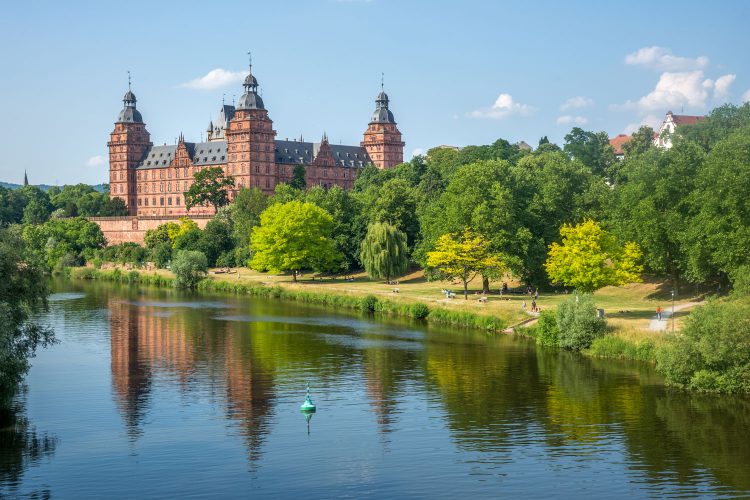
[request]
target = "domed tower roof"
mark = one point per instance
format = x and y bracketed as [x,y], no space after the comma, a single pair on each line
[129,114]
[382,114]
[250,99]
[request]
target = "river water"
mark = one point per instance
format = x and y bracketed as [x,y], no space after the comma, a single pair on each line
[156,393]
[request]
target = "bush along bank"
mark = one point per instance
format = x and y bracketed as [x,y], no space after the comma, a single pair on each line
[366,303]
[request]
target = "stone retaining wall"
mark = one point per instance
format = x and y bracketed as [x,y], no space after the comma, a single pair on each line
[133,228]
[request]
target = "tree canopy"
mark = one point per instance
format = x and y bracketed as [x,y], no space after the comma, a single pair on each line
[209,188]
[294,236]
[590,258]
[463,256]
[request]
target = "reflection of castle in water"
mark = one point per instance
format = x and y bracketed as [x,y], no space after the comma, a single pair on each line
[148,346]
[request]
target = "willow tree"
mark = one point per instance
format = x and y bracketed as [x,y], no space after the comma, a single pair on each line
[383,251]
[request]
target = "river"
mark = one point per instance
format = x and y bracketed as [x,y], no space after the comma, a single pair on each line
[156,393]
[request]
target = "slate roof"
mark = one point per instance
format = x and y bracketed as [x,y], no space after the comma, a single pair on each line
[286,152]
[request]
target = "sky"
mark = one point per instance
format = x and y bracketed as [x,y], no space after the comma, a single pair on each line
[457,73]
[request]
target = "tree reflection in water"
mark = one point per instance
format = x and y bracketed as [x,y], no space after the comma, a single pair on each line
[21,447]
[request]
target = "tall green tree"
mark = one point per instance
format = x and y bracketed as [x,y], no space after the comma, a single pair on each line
[245,213]
[298,177]
[641,141]
[592,149]
[209,188]
[23,292]
[384,252]
[718,236]
[294,236]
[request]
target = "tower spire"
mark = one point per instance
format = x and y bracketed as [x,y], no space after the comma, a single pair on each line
[250,61]
[128,79]
[382,78]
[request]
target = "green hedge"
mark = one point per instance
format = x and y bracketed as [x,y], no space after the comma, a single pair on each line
[368,303]
[611,346]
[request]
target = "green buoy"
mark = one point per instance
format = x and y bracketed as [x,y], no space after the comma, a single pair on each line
[307,406]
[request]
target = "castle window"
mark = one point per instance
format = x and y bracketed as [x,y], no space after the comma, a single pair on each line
[161,201]
[267,167]
[139,202]
[169,200]
[177,201]
[153,201]
[145,201]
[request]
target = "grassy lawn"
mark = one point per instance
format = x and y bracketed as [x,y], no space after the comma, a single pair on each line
[629,309]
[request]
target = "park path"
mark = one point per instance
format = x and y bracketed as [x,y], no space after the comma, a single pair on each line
[660,325]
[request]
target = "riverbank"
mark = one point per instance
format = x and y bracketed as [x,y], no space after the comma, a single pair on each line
[629,309]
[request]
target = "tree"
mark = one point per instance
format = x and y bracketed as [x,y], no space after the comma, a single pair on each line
[63,240]
[114,207]
[214,240]
[717,236]
[384,251]
[23,292]
[294,236]
[209,188]
[245,213]
[640,142]
[591,258]
[298,177]
[463,257]
[189,267]
[592,149]
[394,202]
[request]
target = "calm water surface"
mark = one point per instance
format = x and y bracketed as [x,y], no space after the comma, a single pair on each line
[153,393]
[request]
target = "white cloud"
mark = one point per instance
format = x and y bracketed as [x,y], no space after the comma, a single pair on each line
[95,161]
[504,106]
[746,96]
[721,87]
[215,79]
[661,58]
[567,119]
[576,102]
[673,90]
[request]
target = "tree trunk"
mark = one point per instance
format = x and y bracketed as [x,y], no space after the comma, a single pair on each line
[485,284]
[466,290]
[294,276]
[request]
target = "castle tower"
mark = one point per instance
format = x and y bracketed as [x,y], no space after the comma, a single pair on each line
[382,139]
[250,141]
[128,143]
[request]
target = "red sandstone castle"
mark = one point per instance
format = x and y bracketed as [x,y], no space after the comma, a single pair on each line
[152,179]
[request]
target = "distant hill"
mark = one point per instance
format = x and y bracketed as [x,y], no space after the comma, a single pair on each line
[45,187]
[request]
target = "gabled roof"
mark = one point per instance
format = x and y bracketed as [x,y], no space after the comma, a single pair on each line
[618,142]
[685,119]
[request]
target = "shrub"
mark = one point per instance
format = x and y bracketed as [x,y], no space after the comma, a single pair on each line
[133,277]
[368,302]
[189,267]
[712,352]
[419,310]
[547,333]
[578,322]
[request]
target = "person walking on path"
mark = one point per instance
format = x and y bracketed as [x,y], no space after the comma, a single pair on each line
[533,306]
[658,313]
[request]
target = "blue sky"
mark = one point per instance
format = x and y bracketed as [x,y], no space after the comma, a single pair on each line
[457,73]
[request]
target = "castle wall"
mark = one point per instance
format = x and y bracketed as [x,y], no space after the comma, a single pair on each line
[133,228]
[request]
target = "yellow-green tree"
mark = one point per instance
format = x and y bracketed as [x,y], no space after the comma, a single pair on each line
[294,236]
[463,256]
[590,258]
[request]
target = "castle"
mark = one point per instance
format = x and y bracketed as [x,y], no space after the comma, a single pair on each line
[151,179]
